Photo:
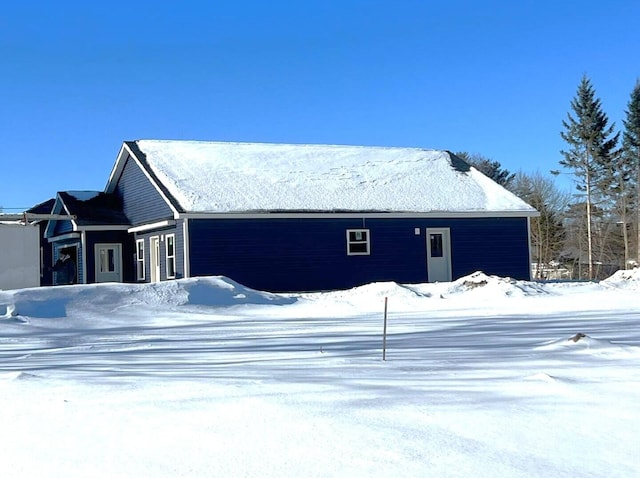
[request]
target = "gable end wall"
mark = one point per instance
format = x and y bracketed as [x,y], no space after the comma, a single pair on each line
[140,199]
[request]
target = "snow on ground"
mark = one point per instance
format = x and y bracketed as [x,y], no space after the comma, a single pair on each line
[485,376]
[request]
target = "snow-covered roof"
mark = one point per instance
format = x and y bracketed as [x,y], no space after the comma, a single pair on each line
[217,177]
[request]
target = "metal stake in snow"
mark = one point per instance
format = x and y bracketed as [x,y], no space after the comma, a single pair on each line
[384,334]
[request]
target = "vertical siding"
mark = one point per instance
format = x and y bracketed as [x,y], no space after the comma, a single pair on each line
[141,201]
[310,254]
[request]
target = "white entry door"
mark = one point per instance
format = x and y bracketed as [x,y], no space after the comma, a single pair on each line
[154,250]
[438,254]
[108,262]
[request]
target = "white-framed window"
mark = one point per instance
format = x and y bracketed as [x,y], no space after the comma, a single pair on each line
[170,247]
[140,259]
[358,242]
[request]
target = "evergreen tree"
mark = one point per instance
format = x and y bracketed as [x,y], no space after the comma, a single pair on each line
[591,147]
[491,169]
[631,152]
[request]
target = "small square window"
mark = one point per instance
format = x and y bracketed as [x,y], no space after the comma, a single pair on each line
[358,242]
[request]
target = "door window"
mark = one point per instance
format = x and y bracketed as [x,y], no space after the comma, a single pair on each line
[436,245]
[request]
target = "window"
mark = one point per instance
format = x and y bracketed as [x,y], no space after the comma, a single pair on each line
[170,244]
[107,260]
[436,245]
[140,259]
[358,242]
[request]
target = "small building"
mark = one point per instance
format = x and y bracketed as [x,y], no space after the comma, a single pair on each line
[19,260]
[284,217]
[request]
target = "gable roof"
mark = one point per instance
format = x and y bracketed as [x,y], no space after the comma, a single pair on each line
[44,207]
[94,208]
[88,209]
[215,177]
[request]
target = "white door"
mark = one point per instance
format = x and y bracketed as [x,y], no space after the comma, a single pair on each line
[154,250]
[438,254]
[108,262]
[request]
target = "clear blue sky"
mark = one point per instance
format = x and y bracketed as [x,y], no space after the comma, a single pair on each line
[489,77]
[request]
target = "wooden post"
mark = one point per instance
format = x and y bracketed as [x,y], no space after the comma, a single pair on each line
[384,334]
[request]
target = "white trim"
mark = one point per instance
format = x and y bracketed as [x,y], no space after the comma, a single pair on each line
[56,209]
[125,152]
[103,228]
[366,241]
[167,256]
[186,261]
[140,260]
[155,271]
[150,227]
[530,246]
[117,248]
[83,245]
[446,252]
[64,237]
[349,215]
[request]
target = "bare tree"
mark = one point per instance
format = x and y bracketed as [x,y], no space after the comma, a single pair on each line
[547,230]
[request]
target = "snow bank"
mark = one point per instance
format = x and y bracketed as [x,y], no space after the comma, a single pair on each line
[57,302]
[479,283]
[625,279]
[581,343]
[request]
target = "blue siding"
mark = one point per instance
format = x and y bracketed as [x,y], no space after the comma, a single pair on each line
[62,227]
[179,250]
[310,254]
[110,237]
[141,201]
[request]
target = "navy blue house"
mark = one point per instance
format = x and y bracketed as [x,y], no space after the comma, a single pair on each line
[292,217]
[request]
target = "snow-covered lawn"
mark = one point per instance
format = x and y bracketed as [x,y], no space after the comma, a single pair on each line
[205,378]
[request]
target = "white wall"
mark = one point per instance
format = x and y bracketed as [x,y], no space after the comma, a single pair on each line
[19,256]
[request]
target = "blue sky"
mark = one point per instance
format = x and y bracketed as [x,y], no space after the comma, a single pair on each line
[488,77]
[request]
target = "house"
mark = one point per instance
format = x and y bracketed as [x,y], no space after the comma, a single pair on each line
[91,227]
[284,217]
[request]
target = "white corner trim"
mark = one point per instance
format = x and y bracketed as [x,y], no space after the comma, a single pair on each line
[185,241]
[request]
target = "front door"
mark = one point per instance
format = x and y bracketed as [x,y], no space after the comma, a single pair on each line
[108,263]
[438,254]
[154,250]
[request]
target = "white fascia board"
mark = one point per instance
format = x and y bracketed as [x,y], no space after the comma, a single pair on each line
[58,207]
[126,152]
[346,215]
[64,237]
[152,226]
[117,168]
[103,228]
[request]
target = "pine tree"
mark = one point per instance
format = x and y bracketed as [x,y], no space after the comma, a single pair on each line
[631,151]
[591,145]
[491,169]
